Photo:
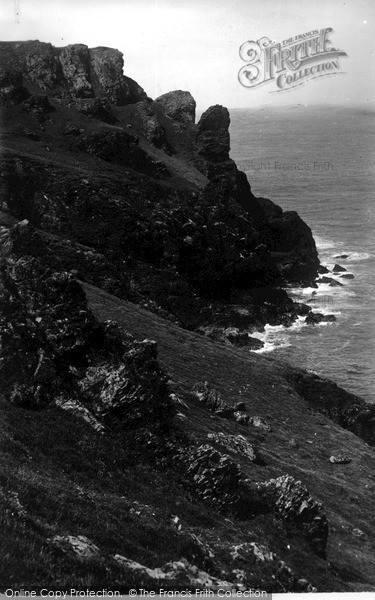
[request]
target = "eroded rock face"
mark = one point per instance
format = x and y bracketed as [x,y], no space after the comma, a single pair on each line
[151,127]
[294,503]
[216,478]
[74,71]
[182,248]
[54,350]
[75,65]
[346,409]
[178,105]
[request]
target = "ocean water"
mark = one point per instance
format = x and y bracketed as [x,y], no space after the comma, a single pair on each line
[321,163]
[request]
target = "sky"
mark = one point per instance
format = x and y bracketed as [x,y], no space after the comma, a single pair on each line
[194,44]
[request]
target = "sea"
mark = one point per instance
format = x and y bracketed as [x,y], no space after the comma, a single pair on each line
[320,162]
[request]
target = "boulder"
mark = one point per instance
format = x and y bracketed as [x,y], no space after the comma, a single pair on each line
[332,282]
[338,269]
[315,318]
[178,105]
[340,459]
[347,276]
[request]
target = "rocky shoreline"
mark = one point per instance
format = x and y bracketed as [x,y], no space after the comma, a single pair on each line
[142,441]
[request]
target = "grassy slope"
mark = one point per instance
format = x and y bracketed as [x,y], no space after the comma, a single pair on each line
[346,491]
[67,479]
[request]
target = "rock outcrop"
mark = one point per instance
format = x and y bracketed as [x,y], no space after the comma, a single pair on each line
[53,349]
[215,478]
[294,504]
[178,105]
[74,71]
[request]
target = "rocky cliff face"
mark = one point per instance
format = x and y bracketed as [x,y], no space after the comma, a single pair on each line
[112,466]
[93,160]
[71,72]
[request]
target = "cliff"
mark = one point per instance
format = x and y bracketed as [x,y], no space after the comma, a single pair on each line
[89,158]
[174,461]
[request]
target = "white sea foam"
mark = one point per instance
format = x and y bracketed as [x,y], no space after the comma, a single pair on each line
[324,244]
[326,310]
[275,337]
[270,346]
[358,256]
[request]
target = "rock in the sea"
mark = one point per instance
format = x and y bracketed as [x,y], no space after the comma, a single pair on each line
[236,337]
[338,269]
[178,105]
[332,282]
[12,91]
[294,503]
[322,269]
[341,256]
[315,318]
[347,276]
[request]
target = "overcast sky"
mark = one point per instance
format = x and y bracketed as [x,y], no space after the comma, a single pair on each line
[193,44]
